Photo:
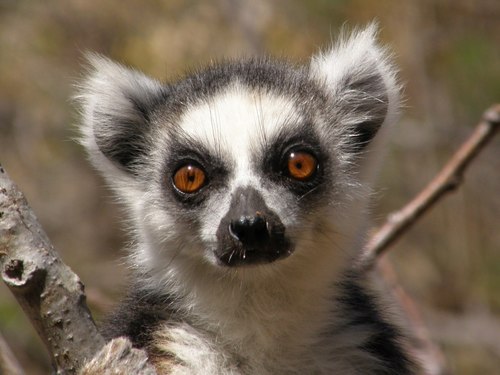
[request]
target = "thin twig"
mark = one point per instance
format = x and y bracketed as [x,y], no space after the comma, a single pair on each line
[448,179]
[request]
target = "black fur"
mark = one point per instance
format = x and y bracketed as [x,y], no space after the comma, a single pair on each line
[362,311]
[125,137]
[183,150]
[137,316]
[373,107]
[296,137]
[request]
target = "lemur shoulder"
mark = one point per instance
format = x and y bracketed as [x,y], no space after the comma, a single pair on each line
[246,185]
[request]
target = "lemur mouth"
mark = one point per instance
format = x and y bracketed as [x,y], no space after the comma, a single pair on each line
[251,233]
[241,256]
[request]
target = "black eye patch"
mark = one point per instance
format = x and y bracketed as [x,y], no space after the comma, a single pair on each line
[294,159]
[191,171]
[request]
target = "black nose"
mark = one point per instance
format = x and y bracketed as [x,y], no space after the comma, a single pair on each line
[250,230]
[250,233]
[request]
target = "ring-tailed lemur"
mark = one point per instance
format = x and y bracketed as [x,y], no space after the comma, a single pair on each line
[245,185]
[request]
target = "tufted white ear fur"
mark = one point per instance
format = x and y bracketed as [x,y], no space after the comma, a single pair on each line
[360,79]
[115,106]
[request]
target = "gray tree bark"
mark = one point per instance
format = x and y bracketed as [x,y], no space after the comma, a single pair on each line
[50,293]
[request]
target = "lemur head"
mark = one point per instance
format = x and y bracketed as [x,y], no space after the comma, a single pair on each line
[243,164]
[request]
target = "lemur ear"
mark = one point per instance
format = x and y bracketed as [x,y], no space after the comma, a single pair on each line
[360,82]
[116,104]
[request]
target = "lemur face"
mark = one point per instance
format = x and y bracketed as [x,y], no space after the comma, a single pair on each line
[244,163]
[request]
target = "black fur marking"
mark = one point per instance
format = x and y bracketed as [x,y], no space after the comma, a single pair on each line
[369,99]
[182,150]
[385,342]
[275,160]
[262,73]
[136,317]
[122,141]
[125,137]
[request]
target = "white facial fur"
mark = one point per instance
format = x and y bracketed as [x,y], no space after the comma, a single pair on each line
[235,123]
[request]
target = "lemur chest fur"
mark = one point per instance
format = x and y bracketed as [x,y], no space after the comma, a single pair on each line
[244,343]
[197,352]
[246,184]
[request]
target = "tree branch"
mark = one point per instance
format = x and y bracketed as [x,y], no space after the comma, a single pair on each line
[447,180]
[48,291]
[52,295]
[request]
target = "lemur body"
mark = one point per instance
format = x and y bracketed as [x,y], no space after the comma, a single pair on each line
[246,185]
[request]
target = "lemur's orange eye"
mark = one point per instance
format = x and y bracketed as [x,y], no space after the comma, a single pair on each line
[189,178]
[301,165]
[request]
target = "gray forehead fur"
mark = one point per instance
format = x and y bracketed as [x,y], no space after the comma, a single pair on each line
[262,73]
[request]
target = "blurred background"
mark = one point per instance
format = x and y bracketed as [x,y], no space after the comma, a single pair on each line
[449,55]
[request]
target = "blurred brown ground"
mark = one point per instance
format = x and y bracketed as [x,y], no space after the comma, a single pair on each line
[449,55]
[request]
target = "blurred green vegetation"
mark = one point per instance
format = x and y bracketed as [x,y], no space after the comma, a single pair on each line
[449,55]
